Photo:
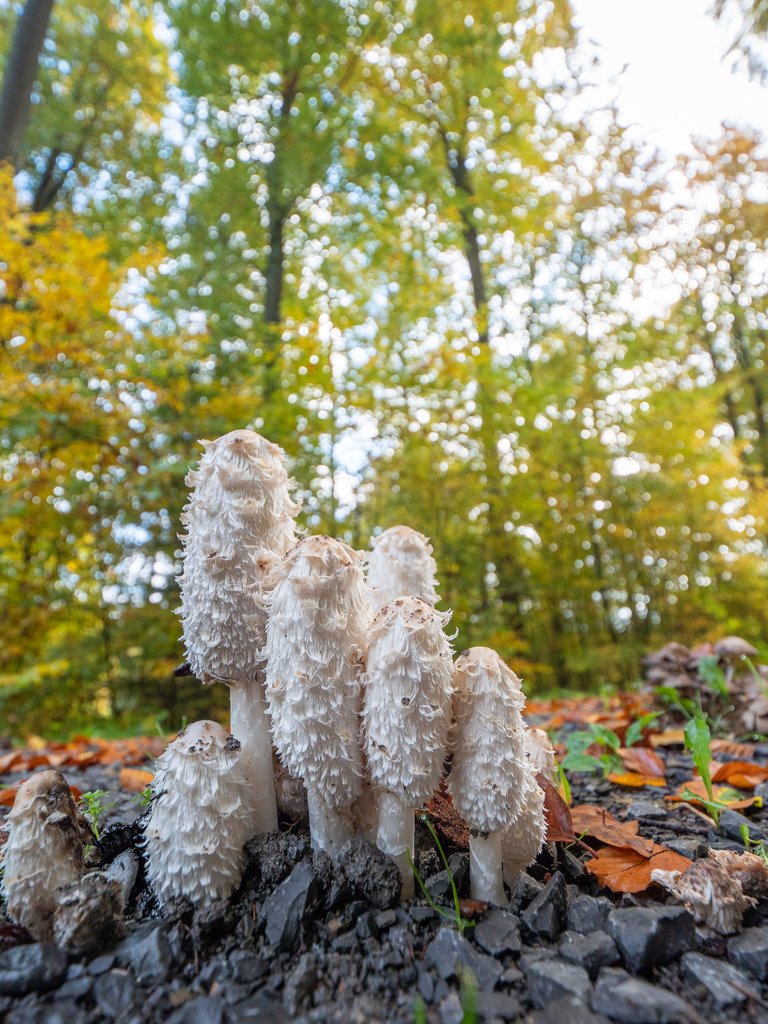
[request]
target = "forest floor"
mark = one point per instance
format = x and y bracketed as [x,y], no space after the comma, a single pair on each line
[587,935]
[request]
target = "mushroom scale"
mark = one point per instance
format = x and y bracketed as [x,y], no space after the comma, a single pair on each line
[401,563]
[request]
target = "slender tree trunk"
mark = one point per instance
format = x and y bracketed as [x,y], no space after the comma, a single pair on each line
[20,73]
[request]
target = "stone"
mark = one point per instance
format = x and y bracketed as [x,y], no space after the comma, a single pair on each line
[37,967]
[647,936]
[101,964]
[89,915]
[123,872]
[451,956]
[75,988]
[693,848]
[498,933]
[588,913]
[148,953]
[646,809]
[497,1006]
[385,920]
[571,866]
[591,951]
[287,908]
[549,980]
[374,875]
[300,984]
[247,967]
[634,1001]
[334,886]
[523,890]
[275,854]
[725,984]
[732,822]
[750,951]
[567,1008]
[420,914]
[203,1010]
[439,885]
[64,1012]
[114,993]
[546,915]
[451,1010]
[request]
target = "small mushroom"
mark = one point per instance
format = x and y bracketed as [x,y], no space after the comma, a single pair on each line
[525,836]
[406,716]
[315,642]
[239,519]
[401,563]
[199,820]
[490,765]
[541,753]
[44,852]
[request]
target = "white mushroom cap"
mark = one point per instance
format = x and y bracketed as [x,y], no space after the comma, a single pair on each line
[407,699]
[541,753]
[44,852]
[401,563]
[199,820]
[314,651]
[239,517]
[525,836]
[490,765]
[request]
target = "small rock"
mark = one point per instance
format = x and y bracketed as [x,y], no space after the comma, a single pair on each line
[101,964]
[37,967]
[148,953]
[545,916]
[634,1001]
[588,913]
[385,920]
[421,914]
[731,824]
[645,809]
[591,951]
[258,1009]
[89,915]
[647,936]
[275,854]
[498,1006]
[286,909]
[64,1012]
[692,848]
[451,955]
[114,993]
[498,933]
[451,1010]
[300,984]
[333,884]
[74,988]
[549,980]
[247,967]
[371,872]
[571,866]
[426,986]
[567,1008]
[203,1010]
[726,985]
[710,942]
[524,890]
[439,885]
[750,951]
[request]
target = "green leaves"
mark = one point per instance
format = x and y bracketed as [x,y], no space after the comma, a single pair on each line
[697,740]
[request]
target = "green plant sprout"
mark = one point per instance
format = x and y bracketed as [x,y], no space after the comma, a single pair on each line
[756,846]
[94,805]
[713,675]
[563,779]
[468,1002]
[698,738]
[461,922]
[638,727]
[144,798]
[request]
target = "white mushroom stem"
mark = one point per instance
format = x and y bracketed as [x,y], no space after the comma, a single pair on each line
[249,718]
[485,868]
[329,827]
[406,716]
[400,564]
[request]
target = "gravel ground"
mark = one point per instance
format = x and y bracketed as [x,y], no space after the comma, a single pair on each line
[305,940]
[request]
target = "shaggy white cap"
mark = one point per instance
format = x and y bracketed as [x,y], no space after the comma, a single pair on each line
[239,517]
[407,699]
[401,563]
[522,840]
[490,765]
[199,820]
[44,851]
[315,644]
[541,753]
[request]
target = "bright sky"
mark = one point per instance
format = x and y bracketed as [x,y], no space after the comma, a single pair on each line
[678,79]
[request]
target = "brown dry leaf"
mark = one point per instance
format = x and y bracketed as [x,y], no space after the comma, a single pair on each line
[135,780]
[447,821]
[625,870]
[557,814]
[472,909]
[724,794]
[636,780]
[7,796]
[591,820]
[667,738]
[742,774]
[743,751]
[642,761]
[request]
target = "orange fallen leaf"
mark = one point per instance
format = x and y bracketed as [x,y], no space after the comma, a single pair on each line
[743,751]
[135,780]
[7,796]
[635,779]
[667,738]
[591,820]
[723,794]
[625,870]
[742,774]
[472,909]
[642,761]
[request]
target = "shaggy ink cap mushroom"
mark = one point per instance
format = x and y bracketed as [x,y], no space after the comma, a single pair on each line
[199,818]
[315,644]
[406,716]
[401,563]
[44,851]
[524,837]
[239,519]
[490,765]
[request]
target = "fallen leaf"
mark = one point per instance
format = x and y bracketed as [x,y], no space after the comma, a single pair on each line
[667,738]
[742,774]
[723,794]
[635,779]
[743,751]
[557,814]
[591,820]
[472,909]
[7,796]
[642,761]
[625,870]
[447,821]
[135,780]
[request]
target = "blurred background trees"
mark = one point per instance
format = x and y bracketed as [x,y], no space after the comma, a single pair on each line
[405,242]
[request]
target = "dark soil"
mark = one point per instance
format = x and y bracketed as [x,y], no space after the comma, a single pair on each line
[306,940]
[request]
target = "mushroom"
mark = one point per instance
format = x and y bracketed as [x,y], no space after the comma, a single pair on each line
[239,519]
[490,765]
[406,716]
[541,753]
[315,643]
[199,820]
[401,563]
[524,837]
[44,852]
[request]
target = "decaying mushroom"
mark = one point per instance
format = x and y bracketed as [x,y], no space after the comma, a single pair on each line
[401,563]
[199,820]
[44,852]
[490,765]
[239,518]
[407,702]
[315,643]
[524,837]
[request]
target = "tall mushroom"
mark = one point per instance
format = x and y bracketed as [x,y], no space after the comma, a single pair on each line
[522,839]
[200,817]
[490,765]
[240,517]
[44,852]
[406,714]
[315,644]
[400,564]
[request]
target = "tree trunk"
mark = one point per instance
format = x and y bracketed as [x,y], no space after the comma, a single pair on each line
[20,74]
